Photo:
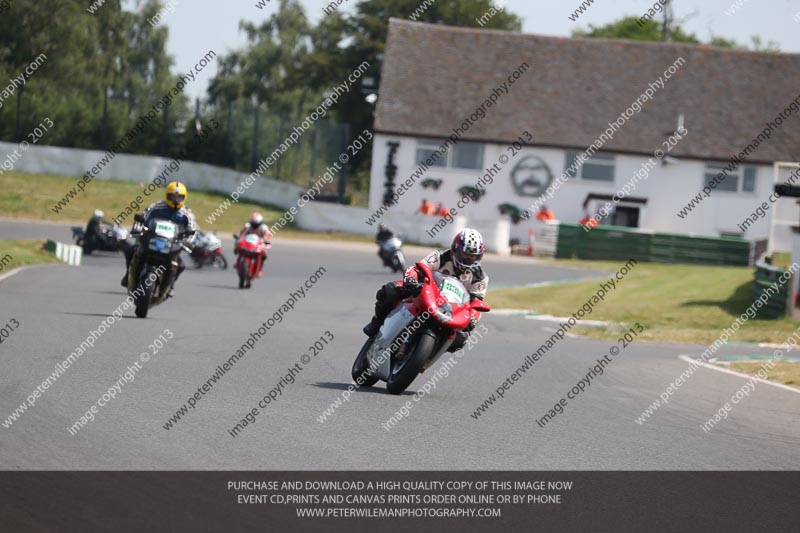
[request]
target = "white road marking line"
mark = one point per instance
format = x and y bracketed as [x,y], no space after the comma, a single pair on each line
[569,335]
[15,271]
[562,319]
[740,374]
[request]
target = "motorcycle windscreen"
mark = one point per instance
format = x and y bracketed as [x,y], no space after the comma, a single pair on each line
[454,291]
[392,244]
[165,228]
[164,232]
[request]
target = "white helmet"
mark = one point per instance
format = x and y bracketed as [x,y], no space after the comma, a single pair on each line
[256,219]
[98,215]
[467,249]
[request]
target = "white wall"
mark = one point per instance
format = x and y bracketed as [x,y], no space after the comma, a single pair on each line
[668,189]
[319,216]
[143,169]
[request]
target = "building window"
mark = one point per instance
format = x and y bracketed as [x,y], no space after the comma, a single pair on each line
[426,149]
[464,155]
[732,179]
[749,182]
[467,155]
[599,167]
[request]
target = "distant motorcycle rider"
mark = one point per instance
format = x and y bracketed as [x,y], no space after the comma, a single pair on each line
[92,233]
[255,226]
[462,260]
[383,235]
[172,208]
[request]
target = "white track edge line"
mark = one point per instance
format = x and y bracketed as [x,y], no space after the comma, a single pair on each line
[740,374]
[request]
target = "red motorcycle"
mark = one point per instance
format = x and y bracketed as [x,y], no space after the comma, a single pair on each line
[250,250]
[417,332]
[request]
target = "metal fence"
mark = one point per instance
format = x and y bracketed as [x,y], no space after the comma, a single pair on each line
[236,135]
[249,134]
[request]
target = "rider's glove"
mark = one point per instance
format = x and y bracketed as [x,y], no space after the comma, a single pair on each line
[411,285]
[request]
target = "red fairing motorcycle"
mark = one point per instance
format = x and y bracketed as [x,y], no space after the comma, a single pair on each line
[250,250]
[417,332]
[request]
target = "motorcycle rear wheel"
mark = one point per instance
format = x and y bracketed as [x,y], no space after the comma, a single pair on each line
[402,373]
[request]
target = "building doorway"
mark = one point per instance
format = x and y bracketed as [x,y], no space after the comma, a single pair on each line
[626,216]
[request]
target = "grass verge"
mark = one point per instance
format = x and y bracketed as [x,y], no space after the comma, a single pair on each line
[32,196]
[674,303]
[782,372]
[18,253]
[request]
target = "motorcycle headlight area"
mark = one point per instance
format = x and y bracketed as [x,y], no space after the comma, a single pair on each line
[445,312]
[158,244]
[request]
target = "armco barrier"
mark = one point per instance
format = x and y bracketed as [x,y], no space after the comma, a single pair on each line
[779,304]
[617,243]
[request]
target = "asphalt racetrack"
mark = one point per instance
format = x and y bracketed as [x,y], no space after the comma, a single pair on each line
[57,305]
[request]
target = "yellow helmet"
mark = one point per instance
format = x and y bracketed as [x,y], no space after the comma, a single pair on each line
[176,194]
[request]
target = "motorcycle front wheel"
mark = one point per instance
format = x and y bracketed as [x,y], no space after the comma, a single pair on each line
[220,261]
[398,262]
[244,271]
[360,372]
[143,295]
[403,372]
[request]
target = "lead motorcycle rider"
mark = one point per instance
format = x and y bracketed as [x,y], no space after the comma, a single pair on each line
[172,208]
[462,260]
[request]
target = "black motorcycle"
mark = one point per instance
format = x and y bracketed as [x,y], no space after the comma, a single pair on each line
[161,242]
[102,237]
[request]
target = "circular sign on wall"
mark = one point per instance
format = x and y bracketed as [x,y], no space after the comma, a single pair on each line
[531,176]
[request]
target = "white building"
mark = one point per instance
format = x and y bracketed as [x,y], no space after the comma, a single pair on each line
[565,93]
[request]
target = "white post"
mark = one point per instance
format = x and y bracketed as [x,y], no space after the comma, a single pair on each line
[776,166]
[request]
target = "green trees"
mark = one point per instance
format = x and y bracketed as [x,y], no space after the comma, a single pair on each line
[630,27]
[289,65]
[101,72]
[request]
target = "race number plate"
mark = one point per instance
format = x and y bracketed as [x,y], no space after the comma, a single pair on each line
[165,228]
[452,292]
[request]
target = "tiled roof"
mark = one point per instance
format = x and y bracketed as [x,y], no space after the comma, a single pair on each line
[435,76]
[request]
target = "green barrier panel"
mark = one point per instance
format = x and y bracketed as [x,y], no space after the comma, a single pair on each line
[567,240]
[619,243]
[766,278]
